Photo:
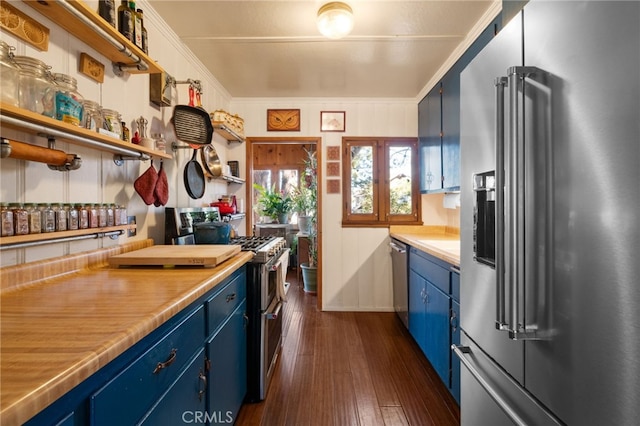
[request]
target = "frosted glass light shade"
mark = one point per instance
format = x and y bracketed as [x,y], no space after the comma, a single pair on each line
[335,19]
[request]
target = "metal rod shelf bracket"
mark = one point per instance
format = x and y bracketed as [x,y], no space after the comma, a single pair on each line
[119,159]
[175,146]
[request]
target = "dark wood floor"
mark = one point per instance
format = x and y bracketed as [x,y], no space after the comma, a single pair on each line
[349,368]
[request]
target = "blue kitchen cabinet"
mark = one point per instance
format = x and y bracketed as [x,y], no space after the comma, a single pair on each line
[417,309]
[434,310]
[132,389]
[227,365]
[439,123]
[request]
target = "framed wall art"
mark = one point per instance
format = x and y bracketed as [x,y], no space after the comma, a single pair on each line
[283,120]
[332,121]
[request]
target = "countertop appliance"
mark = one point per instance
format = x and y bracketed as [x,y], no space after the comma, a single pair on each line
[179,221]
[551,332]
[400,269]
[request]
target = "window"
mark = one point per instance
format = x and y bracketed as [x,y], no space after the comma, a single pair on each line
[380,181]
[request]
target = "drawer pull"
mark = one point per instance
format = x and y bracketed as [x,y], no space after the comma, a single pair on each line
[231,297]
[203,382]
[168,362]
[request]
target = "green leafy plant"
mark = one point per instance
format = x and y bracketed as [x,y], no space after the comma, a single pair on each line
[272,203]
[309,186]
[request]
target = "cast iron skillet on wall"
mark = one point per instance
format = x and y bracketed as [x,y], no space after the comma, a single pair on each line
[193,126]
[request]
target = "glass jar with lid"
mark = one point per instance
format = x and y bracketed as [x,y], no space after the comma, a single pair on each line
[36,87]
[62,218]
[48,217]
[35,219]
[68,100]
[92,115]
[73,218]
[160,144]
[111,121]
[83,216]
[9,75]
[7,220]
[20,219]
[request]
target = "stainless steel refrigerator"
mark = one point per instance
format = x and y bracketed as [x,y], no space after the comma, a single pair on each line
[550,219]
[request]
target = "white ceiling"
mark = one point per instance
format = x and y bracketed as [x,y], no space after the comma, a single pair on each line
[273,49]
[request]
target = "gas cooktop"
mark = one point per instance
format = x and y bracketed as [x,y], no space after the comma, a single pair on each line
[264,247]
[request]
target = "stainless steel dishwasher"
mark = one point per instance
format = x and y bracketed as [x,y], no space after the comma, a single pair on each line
[400,267]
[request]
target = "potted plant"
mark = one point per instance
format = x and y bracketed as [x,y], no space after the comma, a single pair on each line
[273,204]
[309,181]
[303,205]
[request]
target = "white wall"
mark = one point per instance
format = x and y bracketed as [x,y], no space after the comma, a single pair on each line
[356,262]
[99,179]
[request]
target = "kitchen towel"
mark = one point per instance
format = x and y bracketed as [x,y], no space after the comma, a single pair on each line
[281,284]
[161,190]
[145,185]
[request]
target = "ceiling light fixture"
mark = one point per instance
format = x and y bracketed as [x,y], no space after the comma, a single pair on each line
[335,19]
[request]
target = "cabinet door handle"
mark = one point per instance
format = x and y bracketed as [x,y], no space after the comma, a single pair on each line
[231,297]
[168,362]
[453,321]
[202,385]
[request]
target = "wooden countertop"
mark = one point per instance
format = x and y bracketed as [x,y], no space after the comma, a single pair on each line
[58,332]
[439,241]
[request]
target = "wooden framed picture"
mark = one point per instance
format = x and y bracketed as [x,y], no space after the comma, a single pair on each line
[283,120]
[332,121]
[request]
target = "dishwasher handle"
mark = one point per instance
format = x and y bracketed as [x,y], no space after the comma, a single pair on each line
[398,248]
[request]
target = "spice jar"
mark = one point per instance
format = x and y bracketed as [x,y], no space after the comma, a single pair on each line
[83,216]
[111,211]
[62,218]
[7,220]
[111,121]
[92,115]
[93,216]
[68,99]
[35,219]
[102,215]
[74,222]
[9,72]
[20,219]
[36,87]
[48,218]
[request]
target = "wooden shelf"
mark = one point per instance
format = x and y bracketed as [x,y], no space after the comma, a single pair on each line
[79,28]
[53,236]
[226,132]
[106,143]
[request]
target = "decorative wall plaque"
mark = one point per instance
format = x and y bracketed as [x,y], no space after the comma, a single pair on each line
[24,27]
[91,67]
[333,186]
[283,120]
[333,169]
[333,153]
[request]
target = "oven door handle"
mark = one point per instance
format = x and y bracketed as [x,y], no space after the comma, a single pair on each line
[275,313]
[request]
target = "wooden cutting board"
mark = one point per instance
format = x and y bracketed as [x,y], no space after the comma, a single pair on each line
[191,255]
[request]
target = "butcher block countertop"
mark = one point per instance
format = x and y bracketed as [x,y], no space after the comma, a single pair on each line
[63,320]
[439,241]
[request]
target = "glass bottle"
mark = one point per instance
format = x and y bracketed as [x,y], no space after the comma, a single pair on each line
[35,219]
[92,115]
[126,136]
[36,87]
[62,218]
[145,45]
[20,219]
[83,216]
[48,218]
[160,143]
[74,222]
[9,76]
[68,100]
[125,20]
[7,220]
[107,10]
[137,25]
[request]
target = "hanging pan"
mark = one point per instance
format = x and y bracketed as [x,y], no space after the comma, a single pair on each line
[192,124]
[210,161]
[194,177]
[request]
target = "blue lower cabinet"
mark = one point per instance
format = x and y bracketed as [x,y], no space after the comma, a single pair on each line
[227,365]
[185,401]
[130,394]
[437,344]
[434,312]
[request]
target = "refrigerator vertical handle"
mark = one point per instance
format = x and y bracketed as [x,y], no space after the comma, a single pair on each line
[515,207]
[500,84]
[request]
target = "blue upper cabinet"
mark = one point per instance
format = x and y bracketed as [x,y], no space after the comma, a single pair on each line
[439,124]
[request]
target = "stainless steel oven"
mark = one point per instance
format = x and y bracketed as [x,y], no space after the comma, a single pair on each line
[264,312]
